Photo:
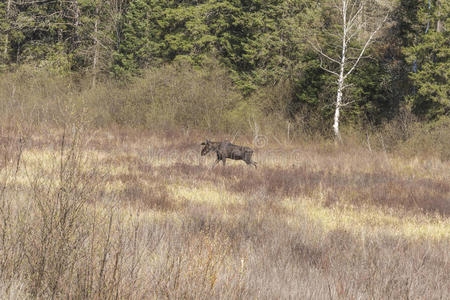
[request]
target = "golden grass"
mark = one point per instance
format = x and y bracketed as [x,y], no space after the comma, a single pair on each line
[209,194]
[165,224]
[369,220]
[355,219]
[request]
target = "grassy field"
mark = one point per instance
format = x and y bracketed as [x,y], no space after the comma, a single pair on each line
[131,214]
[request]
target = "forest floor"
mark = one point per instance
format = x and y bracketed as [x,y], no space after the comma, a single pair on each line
[132,214]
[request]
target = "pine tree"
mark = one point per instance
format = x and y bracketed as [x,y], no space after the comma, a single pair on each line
[429,58]
[142,38]
[7,10]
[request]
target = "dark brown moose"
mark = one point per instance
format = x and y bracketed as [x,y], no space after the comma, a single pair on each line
[226,150]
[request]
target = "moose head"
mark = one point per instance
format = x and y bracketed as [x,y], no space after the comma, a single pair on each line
[208,146]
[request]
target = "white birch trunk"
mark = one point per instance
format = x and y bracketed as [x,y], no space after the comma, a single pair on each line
[5,50]
[337,112]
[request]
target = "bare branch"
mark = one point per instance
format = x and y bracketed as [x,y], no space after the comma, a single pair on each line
[353,7]
[336,5]
[352,25]
[347,85]
[347,103]
[328,70]
[352,20]
[368,42]
[342,104]
[319,50]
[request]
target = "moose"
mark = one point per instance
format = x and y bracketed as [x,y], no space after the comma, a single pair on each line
[226,150]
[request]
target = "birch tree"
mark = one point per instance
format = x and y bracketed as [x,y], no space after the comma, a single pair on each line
[357,23]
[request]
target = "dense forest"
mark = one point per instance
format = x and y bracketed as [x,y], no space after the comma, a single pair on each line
[224,149]
[274,52]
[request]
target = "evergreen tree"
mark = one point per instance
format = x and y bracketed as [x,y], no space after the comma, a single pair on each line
[429,57]
[94,37]
[275,44]
[7,12]
[142,37]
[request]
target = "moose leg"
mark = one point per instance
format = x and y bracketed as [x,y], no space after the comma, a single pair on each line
[219,158]
[248,159]
[215,163]
[250,162]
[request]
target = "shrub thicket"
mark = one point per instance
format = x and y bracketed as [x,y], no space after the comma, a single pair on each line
[183,97]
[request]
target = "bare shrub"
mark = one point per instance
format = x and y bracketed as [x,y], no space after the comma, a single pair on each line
[177,95]
[171,96]
[144,197]
[57,224]
[38,97]
[429,140]
[45,226]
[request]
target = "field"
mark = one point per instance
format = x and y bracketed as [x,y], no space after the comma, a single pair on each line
[127,213]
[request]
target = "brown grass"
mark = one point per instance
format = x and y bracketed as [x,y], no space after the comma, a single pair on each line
[120,213]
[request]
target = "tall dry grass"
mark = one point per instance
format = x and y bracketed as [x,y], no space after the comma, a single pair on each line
[182,97]
[120,213]
[103,194]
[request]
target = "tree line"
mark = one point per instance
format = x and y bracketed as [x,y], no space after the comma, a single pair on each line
[396,52]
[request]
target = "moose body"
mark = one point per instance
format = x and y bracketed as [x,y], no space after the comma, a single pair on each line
[226,150]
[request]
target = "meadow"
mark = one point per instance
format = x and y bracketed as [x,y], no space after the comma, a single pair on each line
[139,214]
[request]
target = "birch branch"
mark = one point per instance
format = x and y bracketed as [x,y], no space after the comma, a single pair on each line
[318,50]
[347,103]
[347,85]
[368,42]
[352,20]
[328,70]
[353,7]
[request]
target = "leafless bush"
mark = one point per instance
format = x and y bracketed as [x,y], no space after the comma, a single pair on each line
[107,213]
[45,226]
[431,140]
[63,235]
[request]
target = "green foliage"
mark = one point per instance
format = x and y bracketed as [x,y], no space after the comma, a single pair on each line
[259,41]
[274,44]
[373,102]
[431,54]
[314,94]
[142,36]
[262,45]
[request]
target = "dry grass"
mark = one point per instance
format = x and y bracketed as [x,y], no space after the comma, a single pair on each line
[124,214]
